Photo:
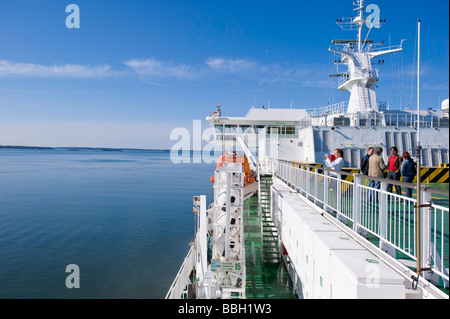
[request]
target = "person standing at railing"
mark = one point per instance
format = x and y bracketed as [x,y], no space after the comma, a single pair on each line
[408,170]
[337,163]
[365,161]
[376,169]
[394,164]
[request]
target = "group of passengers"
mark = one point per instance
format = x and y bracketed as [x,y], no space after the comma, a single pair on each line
[372,164]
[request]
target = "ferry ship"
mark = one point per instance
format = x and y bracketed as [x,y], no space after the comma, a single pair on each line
[283,225]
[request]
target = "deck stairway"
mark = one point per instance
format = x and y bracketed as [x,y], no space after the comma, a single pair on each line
[264,280]
[269,233]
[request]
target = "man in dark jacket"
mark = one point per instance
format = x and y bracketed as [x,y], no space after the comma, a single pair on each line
[365,161]
[408,171]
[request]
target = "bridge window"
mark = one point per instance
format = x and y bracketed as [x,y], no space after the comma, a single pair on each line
[290,130]
[219,129]
[282,131]
[245,129]
[230,128]
[274,130]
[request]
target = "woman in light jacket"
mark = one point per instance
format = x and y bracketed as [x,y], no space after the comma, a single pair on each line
[338,163]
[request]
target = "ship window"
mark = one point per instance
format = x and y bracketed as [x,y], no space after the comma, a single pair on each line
[274,130]
[219,128]
[230,128]
[290,130]
[282,131]
[245,129]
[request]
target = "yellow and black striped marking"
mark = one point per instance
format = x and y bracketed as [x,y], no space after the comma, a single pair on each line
[428,174]
[434,175]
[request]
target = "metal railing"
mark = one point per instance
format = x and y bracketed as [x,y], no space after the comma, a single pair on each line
[386,219]
[397,120]
[337,108]
[178,287]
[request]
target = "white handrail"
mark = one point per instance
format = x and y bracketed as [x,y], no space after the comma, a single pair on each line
[182,278]
[375,212]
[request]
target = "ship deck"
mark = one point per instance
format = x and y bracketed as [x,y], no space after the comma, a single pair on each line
[264,280]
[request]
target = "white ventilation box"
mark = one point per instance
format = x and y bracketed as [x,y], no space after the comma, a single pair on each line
[358,274]
[295,213]
[330,264]
[324,243]
[310,228]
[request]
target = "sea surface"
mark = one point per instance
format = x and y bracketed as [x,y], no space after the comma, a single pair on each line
[123,217]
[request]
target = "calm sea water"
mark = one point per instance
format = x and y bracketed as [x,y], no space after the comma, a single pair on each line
[125,218]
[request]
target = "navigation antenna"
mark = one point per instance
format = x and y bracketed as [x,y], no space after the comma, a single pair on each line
[357,55]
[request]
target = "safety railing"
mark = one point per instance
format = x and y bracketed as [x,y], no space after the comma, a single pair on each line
[178,288]
[337,108]
[385,218]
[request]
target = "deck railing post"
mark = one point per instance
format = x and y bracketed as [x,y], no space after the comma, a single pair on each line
[425,223]
[383,213]
[356,202]
[308,180]
[316,183]
[338,193]
[326,187]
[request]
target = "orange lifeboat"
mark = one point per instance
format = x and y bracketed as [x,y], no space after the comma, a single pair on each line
[233,158]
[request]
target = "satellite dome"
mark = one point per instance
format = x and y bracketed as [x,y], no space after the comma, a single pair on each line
[444,105]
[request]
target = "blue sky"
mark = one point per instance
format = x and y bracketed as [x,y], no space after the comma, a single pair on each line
[135,70]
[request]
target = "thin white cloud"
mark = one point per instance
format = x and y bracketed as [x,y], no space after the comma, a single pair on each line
[155,71]
[152,70]
[8,68]
[160,69]
[232,65]
[436,86]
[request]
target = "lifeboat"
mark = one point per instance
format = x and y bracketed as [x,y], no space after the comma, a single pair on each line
[232,157]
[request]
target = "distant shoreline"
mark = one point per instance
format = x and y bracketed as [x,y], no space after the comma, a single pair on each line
[72,148]
[26,147]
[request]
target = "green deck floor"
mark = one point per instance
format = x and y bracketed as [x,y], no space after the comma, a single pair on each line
[264,280]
